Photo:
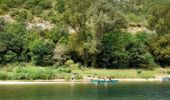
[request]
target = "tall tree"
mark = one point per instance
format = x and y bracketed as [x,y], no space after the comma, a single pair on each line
[90,19]
[160,19]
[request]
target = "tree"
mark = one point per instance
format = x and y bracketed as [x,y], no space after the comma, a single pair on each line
[159,46]
[42,52]
[114,48]
[61,50]
[90,24]
[139,56]
[160,19]
[104,18]
[12,42]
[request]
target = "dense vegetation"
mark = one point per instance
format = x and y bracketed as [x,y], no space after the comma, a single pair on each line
[85,33]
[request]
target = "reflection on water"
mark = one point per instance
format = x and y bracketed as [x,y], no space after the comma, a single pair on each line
[120,91]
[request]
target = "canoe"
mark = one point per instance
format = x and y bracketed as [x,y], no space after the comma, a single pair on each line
[166,79]
[104,81]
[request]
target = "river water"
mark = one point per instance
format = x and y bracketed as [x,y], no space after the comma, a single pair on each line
[87,91]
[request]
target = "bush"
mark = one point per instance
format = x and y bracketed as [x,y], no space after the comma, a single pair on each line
[78,77]
[33,73]
[3,76]
[3,8]
[72,65]
[42,52]
[45,4]
[14,13]
[31,3]
[10,56]
[13,42]
[37,10]
[168,72]
[22,15]
[139,71]
[146,75]
[66,70]
[69,62]
[13,3]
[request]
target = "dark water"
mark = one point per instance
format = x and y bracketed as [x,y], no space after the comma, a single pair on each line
[120,91]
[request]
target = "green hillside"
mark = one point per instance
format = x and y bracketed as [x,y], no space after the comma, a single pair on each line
[88,33]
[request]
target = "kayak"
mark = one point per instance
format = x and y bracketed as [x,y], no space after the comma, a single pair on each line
[104,81]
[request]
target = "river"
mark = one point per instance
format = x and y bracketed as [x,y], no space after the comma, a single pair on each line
[87,91]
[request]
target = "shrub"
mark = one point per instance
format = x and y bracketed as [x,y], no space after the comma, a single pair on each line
[3,75]
[37,10]
[3,8]
[168,72]
[11,76]
[10,56]
[69,62]
[67,77]
[146,75]
[34,73]
[13,3]
[14,13]
[22,15]
[42,52]
[66,70]
[78,77]
[45,4]
[72,65]
[139,71]
[31,3]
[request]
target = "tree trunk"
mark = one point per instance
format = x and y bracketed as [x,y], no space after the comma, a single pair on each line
[94,61]
[85,58]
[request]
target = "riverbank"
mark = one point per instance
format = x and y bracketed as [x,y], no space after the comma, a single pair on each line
[62,81]
[30,72]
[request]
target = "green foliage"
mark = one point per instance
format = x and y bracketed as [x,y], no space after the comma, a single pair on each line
[12,3]
[10,56]
[42,51]
[69,62]
[168,72]
[139,71]
[31,3]
[22,16]
[37,10]
[2,24]
[90,32]
[114,48]
[3,8]
[60,6]
[45,4]
[33,73]
[160,48]
[3,76]
[12,42]
[160,19]
[64,70]
[139,56]
[72,65]
[146,75]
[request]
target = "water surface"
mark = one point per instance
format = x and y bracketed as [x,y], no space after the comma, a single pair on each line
[70,91]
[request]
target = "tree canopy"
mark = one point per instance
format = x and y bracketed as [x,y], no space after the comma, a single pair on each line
[90,33]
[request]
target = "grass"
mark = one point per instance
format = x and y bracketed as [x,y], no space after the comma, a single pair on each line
[31,72]
[124,73]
